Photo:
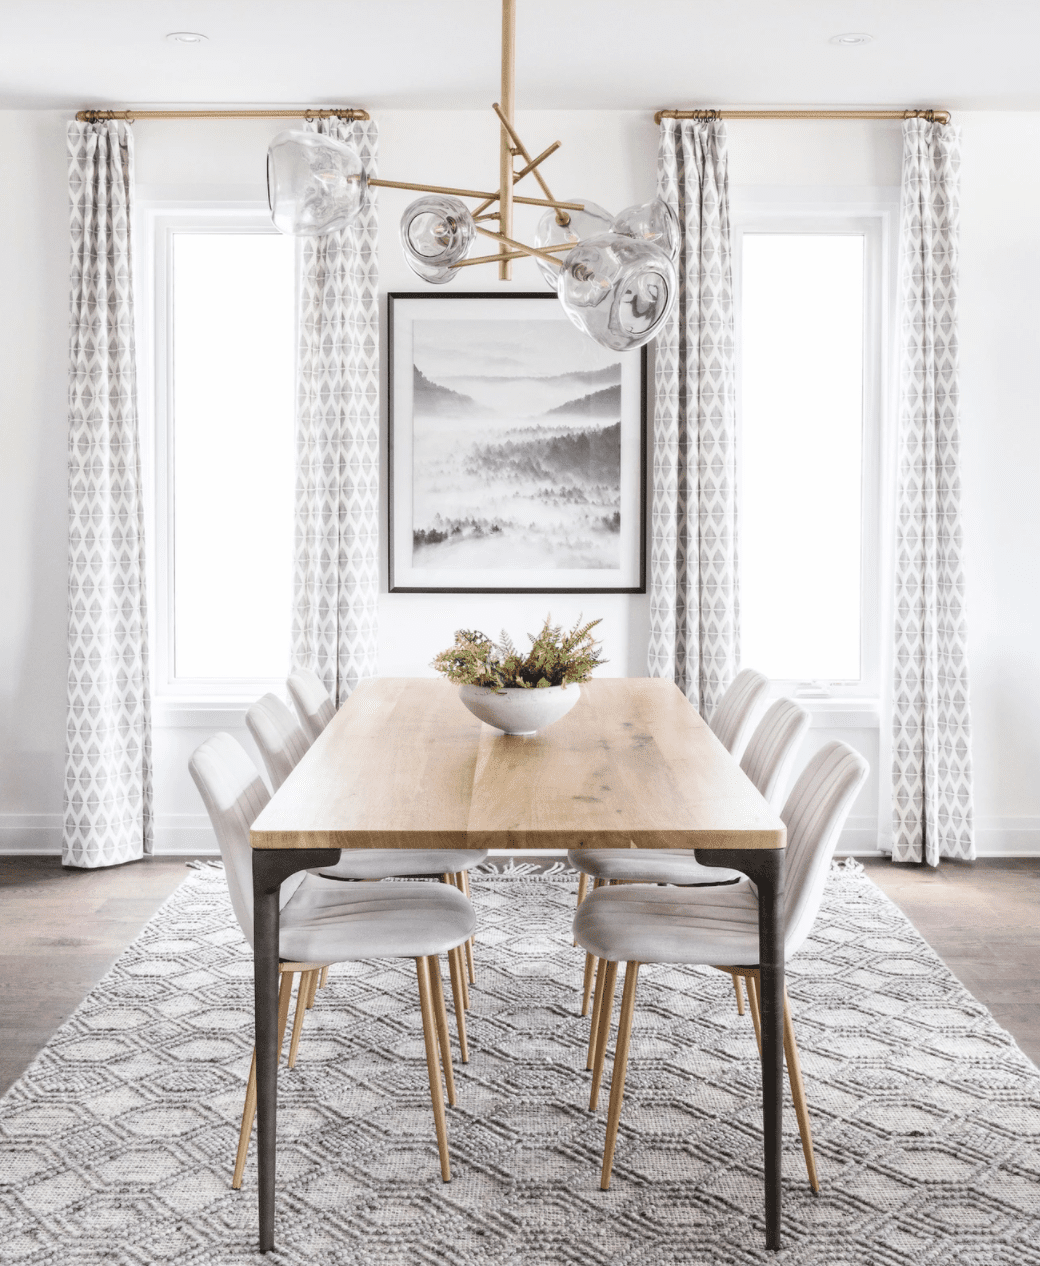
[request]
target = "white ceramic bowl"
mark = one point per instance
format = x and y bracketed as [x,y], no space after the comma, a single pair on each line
[519,711]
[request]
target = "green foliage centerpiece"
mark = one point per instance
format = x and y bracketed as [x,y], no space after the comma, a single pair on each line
[521,693]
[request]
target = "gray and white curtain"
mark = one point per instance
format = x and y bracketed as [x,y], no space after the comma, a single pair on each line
[336,553]
[931,728]
[694,611]
[108,756]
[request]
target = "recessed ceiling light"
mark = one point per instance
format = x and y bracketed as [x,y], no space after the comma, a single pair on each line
[186,37]
[851,37]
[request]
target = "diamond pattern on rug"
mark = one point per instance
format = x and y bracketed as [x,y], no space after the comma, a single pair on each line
[117,1144]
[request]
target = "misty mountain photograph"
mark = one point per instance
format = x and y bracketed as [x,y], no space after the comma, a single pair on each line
[516,459]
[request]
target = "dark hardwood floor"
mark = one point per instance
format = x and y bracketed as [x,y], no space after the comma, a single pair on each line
[983,919]
[61,930]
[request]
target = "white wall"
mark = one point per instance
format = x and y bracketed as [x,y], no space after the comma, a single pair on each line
[610,158]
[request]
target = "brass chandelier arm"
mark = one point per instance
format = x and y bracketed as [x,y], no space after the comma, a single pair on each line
[129,116]
[519,175]
[561,216]
[471,193]
[933,116]
[519,246]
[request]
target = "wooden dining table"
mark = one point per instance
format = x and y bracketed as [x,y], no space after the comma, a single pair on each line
[403,764]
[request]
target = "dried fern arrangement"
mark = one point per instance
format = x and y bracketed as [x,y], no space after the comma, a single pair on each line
[555,658]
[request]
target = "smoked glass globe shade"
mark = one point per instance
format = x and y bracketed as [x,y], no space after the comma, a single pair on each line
[315,184]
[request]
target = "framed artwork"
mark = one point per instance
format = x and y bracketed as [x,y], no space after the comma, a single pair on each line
[517,450]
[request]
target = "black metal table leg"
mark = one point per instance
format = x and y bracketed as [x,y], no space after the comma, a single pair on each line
[270,868]
[765,867]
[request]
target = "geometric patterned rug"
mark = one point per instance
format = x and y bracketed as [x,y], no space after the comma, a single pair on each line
[117,1144]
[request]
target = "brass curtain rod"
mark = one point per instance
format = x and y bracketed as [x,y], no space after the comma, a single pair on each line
[128,116]
[933,116]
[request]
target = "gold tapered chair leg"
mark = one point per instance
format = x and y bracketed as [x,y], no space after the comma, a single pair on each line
[605,1012]
[303,1001]
[801,1107]
[432,1066]
[470,961]
[249,1108]
[583,888]
[617,1076]
[751,980]
[456,883]
[597,1001]
[324,978]
[455,968]
[586,988]
[440,1014]
[312,988]
[739,992]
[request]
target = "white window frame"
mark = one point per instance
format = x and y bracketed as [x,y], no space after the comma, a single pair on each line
[196,698]
[874,214]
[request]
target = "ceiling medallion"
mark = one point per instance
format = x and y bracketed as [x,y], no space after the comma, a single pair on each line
[614,275]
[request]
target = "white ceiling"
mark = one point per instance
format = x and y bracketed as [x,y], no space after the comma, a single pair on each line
[571,54]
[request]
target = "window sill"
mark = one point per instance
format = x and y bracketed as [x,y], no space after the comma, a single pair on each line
[200,714]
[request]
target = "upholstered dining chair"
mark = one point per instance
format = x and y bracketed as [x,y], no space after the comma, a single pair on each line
[735,710]
[311,700]
[718,927]
[316,710]
[324,922]
[766,761]
[280,740]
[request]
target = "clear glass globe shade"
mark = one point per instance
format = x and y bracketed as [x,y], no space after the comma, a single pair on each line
[436,232]
[651,222]
[435,276]
[580,224]
[618,289]
[315,184]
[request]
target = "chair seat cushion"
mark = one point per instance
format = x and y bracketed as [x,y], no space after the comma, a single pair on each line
[329,922]
[649,866]
[388,863]
[671,925]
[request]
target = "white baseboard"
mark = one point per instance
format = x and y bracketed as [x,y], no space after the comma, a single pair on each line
[190,835]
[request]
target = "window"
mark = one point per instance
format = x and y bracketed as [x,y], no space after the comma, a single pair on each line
[225,361]
[808,423]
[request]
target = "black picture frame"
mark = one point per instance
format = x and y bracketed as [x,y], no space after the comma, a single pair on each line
[403,309]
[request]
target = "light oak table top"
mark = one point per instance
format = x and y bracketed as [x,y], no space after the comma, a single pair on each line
[404,765]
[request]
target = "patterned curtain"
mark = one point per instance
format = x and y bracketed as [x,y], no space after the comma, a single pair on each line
[108,757]
[694,611]
[336,555]
[931,739]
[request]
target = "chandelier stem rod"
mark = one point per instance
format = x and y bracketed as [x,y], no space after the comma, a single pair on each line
[505,161]
[519,175]
[519,246]
[561,216]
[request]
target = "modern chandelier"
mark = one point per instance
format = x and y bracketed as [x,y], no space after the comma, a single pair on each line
[614,275]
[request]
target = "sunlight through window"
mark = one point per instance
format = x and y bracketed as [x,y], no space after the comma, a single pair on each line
[802,347]
[233,410]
